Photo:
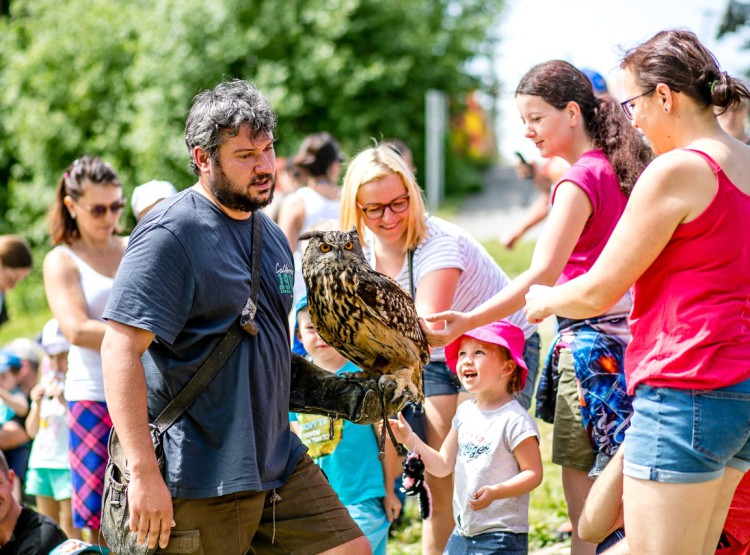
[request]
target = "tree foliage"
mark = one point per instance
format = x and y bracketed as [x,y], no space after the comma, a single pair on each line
[735,18]
[116,79]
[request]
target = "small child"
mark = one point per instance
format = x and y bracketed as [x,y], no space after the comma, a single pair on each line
[492,447]
[350,460]
[13,402]
[48,476]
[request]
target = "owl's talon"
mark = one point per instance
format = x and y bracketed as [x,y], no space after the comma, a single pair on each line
[404,386]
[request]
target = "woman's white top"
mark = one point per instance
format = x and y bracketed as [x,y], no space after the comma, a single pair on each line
[446,245]
[84,381]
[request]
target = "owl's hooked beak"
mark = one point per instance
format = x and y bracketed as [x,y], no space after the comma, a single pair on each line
[340,255]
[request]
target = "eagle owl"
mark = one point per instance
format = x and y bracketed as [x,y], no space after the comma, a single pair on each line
[365,315]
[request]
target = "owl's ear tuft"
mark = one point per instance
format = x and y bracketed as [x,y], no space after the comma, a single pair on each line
[310,234]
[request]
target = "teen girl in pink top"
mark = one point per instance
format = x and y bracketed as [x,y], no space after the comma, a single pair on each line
[564,118]
[682,241]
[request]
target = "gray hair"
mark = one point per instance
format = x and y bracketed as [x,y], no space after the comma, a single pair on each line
[220,112]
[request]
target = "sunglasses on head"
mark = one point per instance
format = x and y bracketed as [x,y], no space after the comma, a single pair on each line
[100,210]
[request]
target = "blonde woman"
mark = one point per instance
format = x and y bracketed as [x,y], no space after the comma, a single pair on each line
[443,268]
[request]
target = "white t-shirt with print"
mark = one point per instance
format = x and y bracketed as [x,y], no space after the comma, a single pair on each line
[486,440]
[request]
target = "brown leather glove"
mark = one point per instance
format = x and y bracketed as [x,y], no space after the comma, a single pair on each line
[355,398]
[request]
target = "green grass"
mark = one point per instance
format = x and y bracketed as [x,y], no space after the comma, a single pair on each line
[21,324]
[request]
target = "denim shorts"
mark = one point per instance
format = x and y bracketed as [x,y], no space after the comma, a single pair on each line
[489,542]
[531,350]
[688,436]
[440,380]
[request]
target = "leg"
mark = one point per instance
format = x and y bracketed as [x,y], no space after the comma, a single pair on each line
[664,518]
[440,410]
[729,483]
[576,486]
[571,449]
[66,520]
[360,546]
[48,507]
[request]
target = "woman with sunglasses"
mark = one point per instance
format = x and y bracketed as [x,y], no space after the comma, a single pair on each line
[78,277]
[442,267]
[564,118]
[682,246]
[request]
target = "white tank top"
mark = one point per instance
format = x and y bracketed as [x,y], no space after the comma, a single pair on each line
[317,208]
[84,381]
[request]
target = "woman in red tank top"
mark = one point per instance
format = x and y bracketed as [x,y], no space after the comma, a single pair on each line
[681,244]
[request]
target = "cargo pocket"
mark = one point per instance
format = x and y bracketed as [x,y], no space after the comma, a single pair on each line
[184,541]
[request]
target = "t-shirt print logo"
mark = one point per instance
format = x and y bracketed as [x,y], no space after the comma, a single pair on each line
[285,274]
[470,450]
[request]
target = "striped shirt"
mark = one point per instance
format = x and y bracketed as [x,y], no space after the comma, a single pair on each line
[446,245]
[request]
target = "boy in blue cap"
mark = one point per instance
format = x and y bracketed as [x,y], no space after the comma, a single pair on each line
[349,455]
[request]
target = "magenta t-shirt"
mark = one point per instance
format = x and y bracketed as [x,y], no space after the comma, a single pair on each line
[595,176]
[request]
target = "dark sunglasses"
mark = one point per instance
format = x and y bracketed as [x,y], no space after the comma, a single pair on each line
[100,210]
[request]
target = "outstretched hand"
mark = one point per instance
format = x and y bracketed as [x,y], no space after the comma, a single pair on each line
[449,326]
[401,430]
[537,300]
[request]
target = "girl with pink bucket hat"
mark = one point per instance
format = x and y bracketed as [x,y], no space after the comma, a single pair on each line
[492,447]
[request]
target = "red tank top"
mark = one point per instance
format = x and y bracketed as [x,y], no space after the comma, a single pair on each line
[691,308]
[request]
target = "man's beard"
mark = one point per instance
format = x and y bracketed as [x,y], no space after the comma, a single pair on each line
[230,195]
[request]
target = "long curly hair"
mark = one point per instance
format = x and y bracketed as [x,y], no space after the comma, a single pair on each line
[558,82]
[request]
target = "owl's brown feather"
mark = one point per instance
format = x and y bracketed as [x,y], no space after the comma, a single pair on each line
[366,316]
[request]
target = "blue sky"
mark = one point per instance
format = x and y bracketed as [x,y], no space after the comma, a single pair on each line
[588,33]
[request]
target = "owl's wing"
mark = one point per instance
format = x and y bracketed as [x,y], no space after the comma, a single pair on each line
[388,302]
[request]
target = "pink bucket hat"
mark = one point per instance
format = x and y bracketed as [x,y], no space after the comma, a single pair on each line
[501,333]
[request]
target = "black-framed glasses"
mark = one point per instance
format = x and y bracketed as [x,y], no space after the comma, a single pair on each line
[375,210]
[100,210]
[627,105]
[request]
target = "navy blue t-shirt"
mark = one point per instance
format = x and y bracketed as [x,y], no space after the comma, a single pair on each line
[185,277]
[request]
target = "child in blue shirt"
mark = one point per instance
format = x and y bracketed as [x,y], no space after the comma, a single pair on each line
[350,459]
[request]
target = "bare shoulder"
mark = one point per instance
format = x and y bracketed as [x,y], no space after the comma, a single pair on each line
[57,260]
[678,183]
[679,169]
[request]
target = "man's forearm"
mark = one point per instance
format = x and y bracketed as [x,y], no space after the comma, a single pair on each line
[125,391]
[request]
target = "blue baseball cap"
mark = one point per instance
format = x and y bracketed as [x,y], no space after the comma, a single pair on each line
[597,81]
[9,361]
[297,346]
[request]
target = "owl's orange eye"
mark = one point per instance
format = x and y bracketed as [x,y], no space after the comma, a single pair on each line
[349,245]
[325,247]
